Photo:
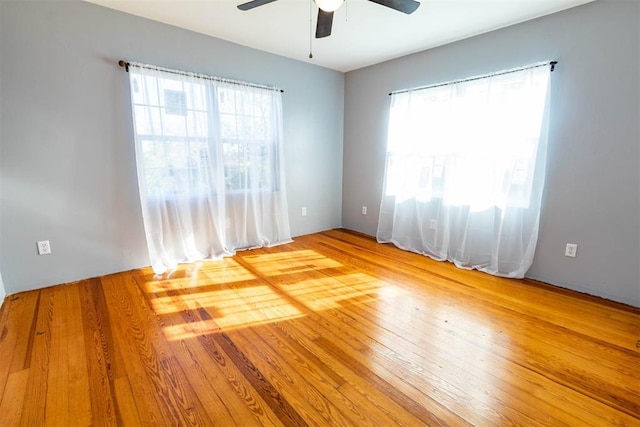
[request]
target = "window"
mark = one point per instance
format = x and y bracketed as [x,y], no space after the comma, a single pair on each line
[210,170]
[465,169]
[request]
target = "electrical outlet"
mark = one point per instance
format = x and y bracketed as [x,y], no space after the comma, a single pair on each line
[304,211]
[44,248]
[433,224]
[364,210]
[571,250]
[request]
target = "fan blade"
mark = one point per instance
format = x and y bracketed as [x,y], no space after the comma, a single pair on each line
[404,6]
[325,22]
[255,3]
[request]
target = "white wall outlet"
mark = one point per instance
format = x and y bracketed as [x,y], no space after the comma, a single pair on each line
[44,248]
[571,250]
[364,210]
[433,224]
[304,211]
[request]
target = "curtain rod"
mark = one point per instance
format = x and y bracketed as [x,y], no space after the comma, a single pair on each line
[126,65]
[468,79]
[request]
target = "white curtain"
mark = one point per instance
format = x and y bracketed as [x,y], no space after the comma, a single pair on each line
[465,171]
[210,165]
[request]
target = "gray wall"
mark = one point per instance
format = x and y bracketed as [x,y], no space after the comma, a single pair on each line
[67,168]
[593,181]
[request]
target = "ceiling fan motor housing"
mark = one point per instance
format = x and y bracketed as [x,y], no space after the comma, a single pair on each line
[329,5]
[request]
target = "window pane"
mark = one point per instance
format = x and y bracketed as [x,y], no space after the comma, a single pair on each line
[148,120]
[153,153]
[228,123]
[226,98]
[175,102]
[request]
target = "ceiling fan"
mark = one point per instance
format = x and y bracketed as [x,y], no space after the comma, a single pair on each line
[327,7]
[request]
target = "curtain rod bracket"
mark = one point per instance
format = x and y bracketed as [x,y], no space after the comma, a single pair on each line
[553,65]
[124,64]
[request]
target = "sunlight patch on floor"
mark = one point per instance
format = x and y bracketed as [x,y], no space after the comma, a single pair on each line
[203,273]
[331,292]
[290,262]
[235,297]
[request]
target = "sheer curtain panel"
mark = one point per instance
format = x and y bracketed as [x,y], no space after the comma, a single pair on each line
[465,171]
[210,165]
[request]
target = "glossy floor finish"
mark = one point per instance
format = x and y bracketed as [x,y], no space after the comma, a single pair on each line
[333,329]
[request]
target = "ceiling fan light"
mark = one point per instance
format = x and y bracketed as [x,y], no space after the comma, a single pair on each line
[329,5]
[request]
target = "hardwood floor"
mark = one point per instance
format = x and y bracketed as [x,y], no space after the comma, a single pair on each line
[333,329]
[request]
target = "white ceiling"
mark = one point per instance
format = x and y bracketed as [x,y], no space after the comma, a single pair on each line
[364,33]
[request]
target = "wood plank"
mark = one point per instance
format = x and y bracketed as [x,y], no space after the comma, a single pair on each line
[17,311]
[76,356]
[38,353]
[125,402]
[11,404]
[99,350]
[332,329]
[57,400]
[68,381]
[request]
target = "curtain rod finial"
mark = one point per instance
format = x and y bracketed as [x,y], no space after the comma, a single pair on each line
[124,65]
